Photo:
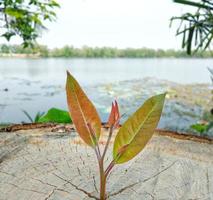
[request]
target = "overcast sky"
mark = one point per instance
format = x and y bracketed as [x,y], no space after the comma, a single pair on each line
[114,23]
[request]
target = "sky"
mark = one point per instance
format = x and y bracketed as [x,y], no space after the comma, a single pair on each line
[114,23]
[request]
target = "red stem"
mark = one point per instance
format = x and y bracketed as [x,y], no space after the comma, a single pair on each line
[102,181]
[108,141]
[104,174]
[109,168]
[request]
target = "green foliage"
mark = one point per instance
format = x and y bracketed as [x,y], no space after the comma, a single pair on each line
[36,118]
[138,129]
[202,128]
[104,52]
[4,125]
[108,52]
[5,48]
[56,115]
[25,18]
[207,4]
[207,117]
[132,137]
[36,49]
[196,29]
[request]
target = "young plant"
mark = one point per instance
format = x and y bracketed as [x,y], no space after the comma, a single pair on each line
[202,127]
[206,124]
[131,138]
[53,115]
[36,118]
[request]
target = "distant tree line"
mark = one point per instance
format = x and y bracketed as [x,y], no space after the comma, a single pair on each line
[97,52]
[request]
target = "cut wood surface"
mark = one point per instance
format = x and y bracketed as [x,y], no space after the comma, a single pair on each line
[37,164]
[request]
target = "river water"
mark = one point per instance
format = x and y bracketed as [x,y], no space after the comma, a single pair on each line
[38,84]
[93,71]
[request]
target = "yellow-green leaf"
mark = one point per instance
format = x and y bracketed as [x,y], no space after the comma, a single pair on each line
[82,111]
[17,13]
[138,129]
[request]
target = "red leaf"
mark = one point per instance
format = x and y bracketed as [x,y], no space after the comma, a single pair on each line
[114,116]
[83,113]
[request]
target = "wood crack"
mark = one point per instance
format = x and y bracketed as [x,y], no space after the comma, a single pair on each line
[142,181]
[77,187]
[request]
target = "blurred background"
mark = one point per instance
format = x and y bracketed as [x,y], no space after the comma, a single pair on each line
[124,50]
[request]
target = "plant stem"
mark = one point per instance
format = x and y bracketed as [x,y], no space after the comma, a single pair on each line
[109,168]
[108,141]
[103,177]
[103,173]
[102,180]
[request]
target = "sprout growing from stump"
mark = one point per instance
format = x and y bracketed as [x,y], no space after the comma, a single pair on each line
[131,138]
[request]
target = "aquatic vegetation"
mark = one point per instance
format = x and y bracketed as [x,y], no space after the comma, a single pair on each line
[207,124]
[54,115]
[36,118]
[131,138]
[202,127]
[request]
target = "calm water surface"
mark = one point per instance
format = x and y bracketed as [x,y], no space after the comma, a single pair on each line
[93,71]
[38,84]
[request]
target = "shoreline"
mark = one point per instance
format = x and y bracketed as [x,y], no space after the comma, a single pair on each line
[25,56]
[11,55]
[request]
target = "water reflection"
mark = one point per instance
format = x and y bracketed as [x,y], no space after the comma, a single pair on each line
[93,71]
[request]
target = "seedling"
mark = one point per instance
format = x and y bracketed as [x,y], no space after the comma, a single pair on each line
[36,118]
[53,115]
[131,138]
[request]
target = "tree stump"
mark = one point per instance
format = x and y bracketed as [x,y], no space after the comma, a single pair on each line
[41,165]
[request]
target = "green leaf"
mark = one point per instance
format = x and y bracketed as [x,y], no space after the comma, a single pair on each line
[17,13]
[8,35]
[191,3]
[28,116]
[190,38]
[200,128]
[84,115]
[56,115]
[38,116]
[138,129]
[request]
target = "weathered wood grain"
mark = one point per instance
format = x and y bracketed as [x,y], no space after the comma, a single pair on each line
[40,165]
